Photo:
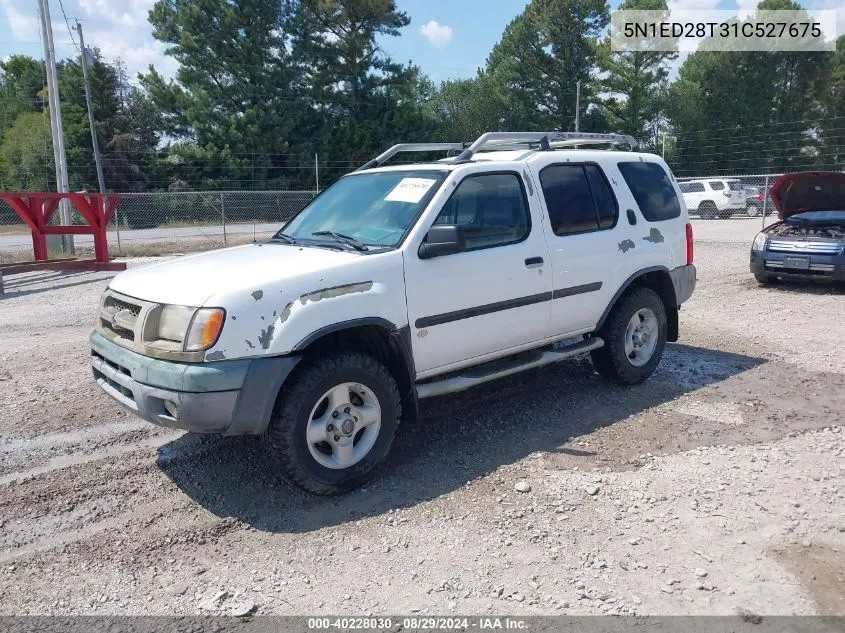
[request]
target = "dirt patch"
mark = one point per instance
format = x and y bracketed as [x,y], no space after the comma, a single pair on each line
[821,571]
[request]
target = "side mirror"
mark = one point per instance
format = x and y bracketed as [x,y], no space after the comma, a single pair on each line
[443,239]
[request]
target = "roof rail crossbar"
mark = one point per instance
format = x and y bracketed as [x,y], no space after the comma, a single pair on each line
[546,140]
[409,147]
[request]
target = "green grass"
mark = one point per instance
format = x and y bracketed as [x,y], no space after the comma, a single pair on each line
[14,229]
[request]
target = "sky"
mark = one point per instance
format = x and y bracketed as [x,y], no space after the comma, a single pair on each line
[446,38]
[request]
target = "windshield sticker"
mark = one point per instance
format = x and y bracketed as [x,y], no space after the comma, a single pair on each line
[410,190]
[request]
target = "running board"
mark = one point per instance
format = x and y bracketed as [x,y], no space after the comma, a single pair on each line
[472,376]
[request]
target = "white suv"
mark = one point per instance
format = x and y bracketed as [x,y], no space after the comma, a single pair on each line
[405,282]
[713,197]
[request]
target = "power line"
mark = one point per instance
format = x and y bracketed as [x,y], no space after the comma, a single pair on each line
[67,24]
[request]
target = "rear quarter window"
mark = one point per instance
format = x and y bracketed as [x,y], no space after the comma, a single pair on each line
[652,190]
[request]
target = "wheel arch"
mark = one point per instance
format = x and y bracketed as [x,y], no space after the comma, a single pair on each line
[656,278]
[377,337]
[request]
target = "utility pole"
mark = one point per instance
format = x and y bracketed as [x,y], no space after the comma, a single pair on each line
[317,172]
[578,106]
[664,146]
[55,118]
[94,143]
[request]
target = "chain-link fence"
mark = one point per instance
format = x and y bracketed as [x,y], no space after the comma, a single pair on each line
[165,223]
[723,197]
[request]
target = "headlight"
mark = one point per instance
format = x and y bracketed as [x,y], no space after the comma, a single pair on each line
[174,321]
[759,242]
[193,329]
[205,329]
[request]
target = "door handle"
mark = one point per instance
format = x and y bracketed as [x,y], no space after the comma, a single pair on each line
[533,262]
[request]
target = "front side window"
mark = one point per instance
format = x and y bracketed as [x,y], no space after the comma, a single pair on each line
[652,190]
[491,208]
[691,187]
[578,199]
[376,209]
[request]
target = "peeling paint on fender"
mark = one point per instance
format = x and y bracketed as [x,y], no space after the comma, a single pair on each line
[266,337]
[257,295]
[626,245]
[654,236]
[218,355]
[248,342]
[285,314]
[336,291]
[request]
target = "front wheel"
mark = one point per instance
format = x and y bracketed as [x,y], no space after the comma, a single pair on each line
[334,422]
[634,337]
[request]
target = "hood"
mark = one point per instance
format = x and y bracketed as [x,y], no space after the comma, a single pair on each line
[808,191]
[192,280]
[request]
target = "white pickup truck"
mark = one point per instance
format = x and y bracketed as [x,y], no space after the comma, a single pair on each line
[404,282]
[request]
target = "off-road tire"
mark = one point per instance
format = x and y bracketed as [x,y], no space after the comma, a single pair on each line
[707,211]
[610,361]
[286,434]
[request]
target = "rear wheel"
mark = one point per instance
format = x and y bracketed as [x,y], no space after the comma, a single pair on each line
[707,211]
[334,422]
[634,337]
[752,210]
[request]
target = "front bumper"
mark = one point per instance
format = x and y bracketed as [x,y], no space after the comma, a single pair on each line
[822,267]
[233,397]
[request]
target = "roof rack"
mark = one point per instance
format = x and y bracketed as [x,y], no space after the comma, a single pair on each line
[543,141]
[410,147]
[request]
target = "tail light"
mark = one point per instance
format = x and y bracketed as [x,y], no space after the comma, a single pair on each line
[689,244]
[759,197]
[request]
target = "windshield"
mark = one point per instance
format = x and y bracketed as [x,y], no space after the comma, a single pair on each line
[818,216]
[376,209]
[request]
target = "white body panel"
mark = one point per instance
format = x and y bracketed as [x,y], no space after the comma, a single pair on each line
[725,199]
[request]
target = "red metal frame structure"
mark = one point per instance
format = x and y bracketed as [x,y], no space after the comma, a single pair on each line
[36,209]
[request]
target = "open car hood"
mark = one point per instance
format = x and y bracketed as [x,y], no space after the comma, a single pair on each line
[808,191]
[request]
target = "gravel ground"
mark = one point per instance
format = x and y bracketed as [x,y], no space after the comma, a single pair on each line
[715,487]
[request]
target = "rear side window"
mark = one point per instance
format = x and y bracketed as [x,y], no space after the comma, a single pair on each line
[491,208]
[691,187]
[715,185]
[735,185]
[578,198]
[652,190]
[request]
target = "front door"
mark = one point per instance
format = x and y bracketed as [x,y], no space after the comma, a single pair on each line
[491,297]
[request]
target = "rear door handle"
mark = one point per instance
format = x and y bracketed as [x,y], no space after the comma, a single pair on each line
[533,262]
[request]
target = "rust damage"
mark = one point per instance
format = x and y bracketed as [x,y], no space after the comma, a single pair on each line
[654,236]
[626,245]
[257,295]
[336,291]
[266,336]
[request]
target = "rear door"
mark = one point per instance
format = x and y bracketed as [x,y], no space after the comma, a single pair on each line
[495,295]
[581,211]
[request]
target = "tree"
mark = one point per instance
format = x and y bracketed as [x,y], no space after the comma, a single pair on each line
[543,53]
[746,112]
[233,106]
[362,99]
[463,109]
[26,154]
[21,82]
[636,83]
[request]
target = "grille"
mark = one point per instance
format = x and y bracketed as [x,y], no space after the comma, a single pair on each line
[809,248]
[120,317]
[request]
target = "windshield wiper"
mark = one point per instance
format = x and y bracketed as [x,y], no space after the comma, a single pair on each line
[282,237]
[345,239]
